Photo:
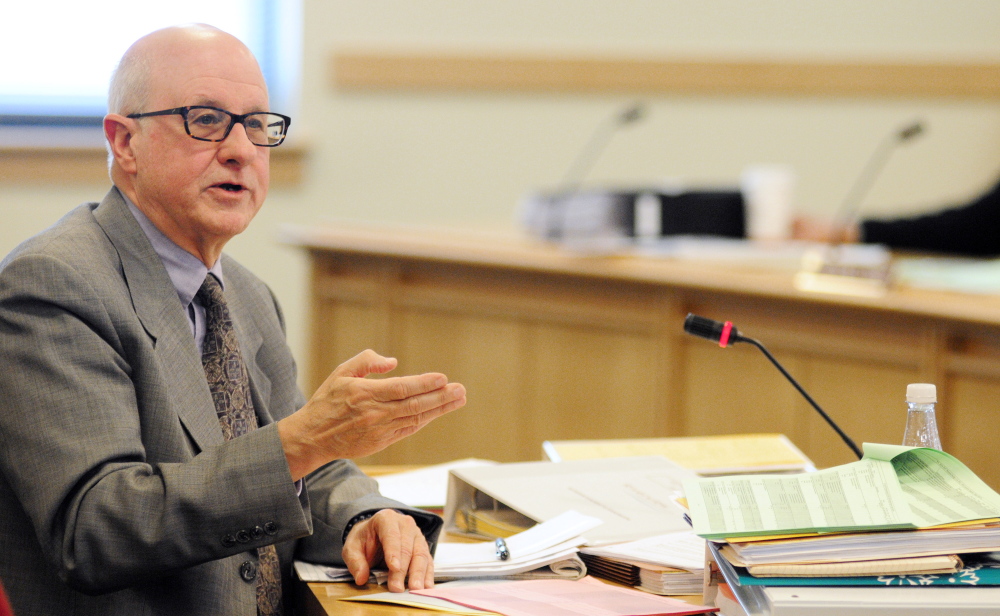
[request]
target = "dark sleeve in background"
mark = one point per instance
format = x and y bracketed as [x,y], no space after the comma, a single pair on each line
[972,229]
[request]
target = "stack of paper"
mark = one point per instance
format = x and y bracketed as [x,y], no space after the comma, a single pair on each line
[973,590]
[668,581]
[898,511]
[670,564]
[841,547]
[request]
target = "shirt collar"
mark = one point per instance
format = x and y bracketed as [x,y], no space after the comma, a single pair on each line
[186,271]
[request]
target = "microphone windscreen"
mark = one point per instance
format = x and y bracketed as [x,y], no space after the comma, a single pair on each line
[633,113]
[911,131]
[703,328]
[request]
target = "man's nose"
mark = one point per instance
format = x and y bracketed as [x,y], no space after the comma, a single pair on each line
[237,145]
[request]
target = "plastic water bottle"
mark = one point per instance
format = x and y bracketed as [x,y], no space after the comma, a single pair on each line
[921,426]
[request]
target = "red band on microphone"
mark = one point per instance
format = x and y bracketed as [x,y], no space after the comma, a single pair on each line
[727,328]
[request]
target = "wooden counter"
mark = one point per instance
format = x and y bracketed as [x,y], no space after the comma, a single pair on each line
[555,345]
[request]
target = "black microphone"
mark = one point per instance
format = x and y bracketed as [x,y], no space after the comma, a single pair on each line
[725,334]
[598,142]
[852,201]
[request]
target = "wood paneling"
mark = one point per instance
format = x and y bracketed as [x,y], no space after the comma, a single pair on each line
[45,165]
[417,70]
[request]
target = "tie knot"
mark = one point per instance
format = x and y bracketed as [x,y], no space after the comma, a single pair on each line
[210,292]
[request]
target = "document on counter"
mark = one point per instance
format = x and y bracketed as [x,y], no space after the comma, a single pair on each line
[892,487]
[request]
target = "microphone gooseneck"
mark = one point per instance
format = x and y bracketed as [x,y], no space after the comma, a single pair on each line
[725,335]
[852,201]
[598,142]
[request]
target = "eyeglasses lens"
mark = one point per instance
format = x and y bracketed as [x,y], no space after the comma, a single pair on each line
[211,124]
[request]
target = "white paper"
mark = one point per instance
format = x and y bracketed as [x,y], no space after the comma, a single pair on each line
[426,487]
[312,572]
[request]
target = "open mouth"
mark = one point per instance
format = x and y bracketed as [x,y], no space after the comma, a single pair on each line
[230,187]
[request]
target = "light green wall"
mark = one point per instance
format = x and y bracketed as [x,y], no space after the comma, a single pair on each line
[464,160]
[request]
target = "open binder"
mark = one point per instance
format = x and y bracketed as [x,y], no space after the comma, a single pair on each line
[634,497]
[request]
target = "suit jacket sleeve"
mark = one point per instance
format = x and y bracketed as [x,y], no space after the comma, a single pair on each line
[971,229]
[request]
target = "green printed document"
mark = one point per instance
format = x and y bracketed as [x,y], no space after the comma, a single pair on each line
[892,487]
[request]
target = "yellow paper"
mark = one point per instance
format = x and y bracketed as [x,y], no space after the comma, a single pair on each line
[705,455]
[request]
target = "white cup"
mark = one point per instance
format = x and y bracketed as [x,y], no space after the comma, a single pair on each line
[769,195]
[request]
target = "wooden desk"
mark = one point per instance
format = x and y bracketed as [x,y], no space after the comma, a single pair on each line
[552,345]
[321,599]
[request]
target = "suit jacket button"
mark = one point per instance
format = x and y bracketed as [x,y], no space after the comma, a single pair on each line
[229,541]
[248,571]
[257,532]
[243,535]
[270,528]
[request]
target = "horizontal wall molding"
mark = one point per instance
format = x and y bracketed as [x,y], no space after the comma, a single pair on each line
[419,71]
[75,165]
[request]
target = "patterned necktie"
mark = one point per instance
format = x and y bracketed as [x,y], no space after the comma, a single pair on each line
[230,386]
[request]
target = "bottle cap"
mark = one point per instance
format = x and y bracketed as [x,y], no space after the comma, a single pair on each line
[921,393]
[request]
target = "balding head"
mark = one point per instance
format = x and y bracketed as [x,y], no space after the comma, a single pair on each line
[130,83]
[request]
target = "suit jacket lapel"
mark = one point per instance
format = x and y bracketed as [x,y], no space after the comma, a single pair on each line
[158,309]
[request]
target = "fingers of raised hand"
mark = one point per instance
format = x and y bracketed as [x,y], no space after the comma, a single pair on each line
[399,388]
[404,402]
[364,363]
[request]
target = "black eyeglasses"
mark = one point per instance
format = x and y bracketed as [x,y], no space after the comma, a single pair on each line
[214,124]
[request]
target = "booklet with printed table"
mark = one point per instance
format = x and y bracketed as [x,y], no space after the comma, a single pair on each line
[891,488]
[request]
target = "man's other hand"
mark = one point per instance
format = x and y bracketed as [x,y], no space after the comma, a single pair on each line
[394,539]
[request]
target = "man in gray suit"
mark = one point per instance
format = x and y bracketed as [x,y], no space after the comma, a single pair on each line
[119,493]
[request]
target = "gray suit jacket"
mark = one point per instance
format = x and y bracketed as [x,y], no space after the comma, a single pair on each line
[118,494]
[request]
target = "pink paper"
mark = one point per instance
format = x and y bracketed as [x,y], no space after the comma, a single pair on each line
[586,597]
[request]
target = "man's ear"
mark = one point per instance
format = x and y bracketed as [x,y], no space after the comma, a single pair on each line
[118,132]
